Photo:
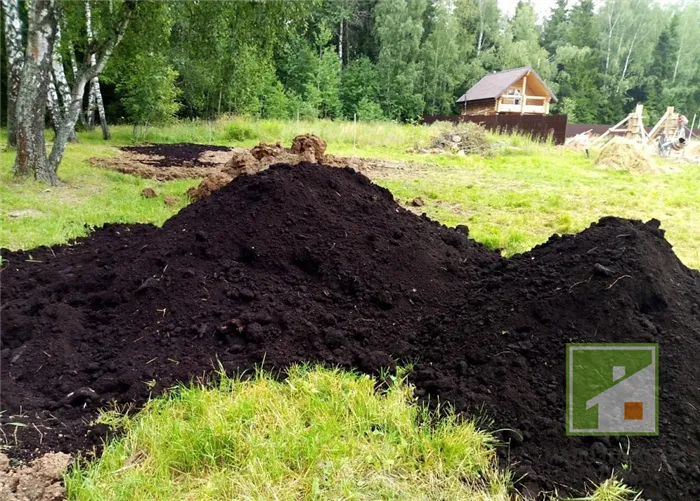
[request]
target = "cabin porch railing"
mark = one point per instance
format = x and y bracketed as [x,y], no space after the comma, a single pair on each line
[523,104]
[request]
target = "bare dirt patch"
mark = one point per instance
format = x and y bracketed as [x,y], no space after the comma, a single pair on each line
[165,162]
[41,480]
[181,154]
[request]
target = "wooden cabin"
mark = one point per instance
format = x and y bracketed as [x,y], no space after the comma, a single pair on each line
[518,91]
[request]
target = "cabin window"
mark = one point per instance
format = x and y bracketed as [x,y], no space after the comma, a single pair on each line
[515,94]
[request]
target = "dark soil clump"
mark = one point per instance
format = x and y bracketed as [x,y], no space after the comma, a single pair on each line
[311,263]
[176,155]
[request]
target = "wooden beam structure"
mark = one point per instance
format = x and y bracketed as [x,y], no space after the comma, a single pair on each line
[614,128]
[634,126]
[662,122]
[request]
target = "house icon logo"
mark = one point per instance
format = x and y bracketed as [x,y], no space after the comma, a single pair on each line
[611,389]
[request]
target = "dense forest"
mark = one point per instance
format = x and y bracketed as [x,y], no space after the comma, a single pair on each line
[377,59]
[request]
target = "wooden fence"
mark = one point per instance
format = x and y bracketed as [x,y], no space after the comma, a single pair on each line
[539,126]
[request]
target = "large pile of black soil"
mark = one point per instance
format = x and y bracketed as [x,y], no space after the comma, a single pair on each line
[310,263]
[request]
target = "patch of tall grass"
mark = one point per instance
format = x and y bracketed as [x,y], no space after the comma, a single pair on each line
[247,131]
[319,434]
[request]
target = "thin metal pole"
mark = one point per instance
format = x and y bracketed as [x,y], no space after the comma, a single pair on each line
[690,136]
[354,132]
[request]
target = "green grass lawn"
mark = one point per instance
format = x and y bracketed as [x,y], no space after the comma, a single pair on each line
[319,434]
[515,202]
[33,214]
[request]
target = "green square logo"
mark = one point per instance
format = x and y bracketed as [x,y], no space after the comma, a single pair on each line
[612,389]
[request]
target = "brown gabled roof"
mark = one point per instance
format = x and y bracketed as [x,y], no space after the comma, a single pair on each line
[492,86]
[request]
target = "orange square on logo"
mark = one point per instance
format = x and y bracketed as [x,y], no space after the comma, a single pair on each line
[634,411]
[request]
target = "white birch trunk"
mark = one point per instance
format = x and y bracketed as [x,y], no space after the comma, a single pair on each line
[90,111]
[611,28]
[340,43]
[627,62]
[59,77]
[15,58]
[95,102]
[482,12]
[678,60]
[81,79]
[73,61]
[74,69]
[31,100]
[54,106]
[101,109]
[59,73]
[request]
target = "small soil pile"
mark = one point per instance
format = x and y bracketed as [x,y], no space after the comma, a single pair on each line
[242,162]
[42,480]
[264,150]
[311,263]
[622,154]
[305,148]
[310,148]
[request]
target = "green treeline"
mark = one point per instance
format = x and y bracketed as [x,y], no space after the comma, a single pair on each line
[397,59]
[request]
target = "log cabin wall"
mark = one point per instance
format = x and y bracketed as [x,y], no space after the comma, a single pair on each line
[482,107]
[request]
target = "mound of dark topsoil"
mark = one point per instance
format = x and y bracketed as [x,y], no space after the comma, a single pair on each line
[310,263]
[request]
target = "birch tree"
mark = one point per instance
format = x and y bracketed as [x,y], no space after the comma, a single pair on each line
[35,85]
[60,87]
[33,89]
[95,97]
[400,29]
[53,105]
[13,46]
[342,14]
[636,29]
[611,12]
[95,61]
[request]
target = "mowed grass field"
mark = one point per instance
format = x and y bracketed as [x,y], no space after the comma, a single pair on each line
[511,200]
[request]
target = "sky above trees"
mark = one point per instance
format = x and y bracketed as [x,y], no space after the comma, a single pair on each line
[543,8]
